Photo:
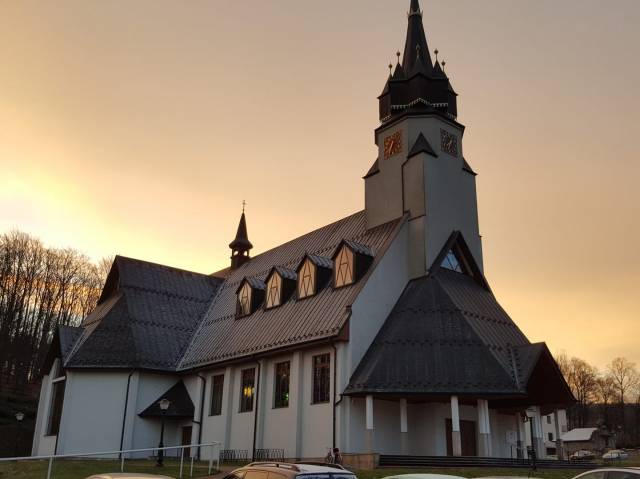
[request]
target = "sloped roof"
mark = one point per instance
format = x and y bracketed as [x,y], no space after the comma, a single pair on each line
[447,334]
[145,318]
[180,403]
[579,434]
[221,336]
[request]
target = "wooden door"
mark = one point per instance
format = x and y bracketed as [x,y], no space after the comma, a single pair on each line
[186,440]
[467,438]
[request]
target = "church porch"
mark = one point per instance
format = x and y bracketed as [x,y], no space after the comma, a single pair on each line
[443,426]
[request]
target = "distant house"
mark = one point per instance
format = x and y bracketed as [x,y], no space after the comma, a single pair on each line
[378,333]
[589,438]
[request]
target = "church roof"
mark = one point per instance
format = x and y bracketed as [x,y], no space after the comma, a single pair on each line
[241,241]
[161,318]
[223,337]
[145,318]
[447,334]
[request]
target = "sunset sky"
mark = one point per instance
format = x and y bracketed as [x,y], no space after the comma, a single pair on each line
[138,127]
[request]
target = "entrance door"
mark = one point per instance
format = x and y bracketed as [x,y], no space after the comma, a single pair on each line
[467,438]
[186,440]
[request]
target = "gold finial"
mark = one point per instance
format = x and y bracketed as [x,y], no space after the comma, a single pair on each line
[443,64]
[244,203]
[398,55]
[436,52]
[390,68]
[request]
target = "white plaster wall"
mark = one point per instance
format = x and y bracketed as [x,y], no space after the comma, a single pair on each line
[92,412]
[316,419]
[241,431]
[376,300]
[44,445]
[214,427]
[146,432]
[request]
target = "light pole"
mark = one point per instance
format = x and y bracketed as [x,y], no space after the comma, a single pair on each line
[533,454]
[164,405]
[19,418]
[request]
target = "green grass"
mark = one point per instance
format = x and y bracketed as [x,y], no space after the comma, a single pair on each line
[80,469]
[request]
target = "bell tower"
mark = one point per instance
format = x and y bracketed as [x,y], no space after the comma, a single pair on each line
[420,170]
[241,245]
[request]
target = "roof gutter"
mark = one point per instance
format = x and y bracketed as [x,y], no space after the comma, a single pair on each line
[124,413]
[199,423]
[333,397]
[255,413]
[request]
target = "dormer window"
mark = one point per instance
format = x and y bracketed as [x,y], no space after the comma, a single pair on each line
[343,269]
[451,262]
[274,291]
[250,294]
[307,281]
[244,300]
[350,261]
[281,283]
[314,273]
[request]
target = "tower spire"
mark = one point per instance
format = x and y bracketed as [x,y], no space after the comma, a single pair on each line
[416,37]
[241,245]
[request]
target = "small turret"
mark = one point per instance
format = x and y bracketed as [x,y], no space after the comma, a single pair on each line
[241,245]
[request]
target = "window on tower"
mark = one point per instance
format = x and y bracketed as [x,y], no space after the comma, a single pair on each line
[307,279]
[451,262]
[344,268]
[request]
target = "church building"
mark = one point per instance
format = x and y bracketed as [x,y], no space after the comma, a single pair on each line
[378,333]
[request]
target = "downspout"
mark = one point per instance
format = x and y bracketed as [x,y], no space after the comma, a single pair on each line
[255,414]
[335,382]
[124,414]
[199,423]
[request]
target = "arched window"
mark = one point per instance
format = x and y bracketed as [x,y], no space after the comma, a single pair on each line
[344,268]
[274,291]
[307,279]
[244,300]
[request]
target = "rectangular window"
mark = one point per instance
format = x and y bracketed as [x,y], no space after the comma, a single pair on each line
[550,436]
[549,419]
[247,390]
[321,378]
[55,413]
[281,386]
[217,385]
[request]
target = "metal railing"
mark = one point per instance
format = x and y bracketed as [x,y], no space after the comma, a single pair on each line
[122,456]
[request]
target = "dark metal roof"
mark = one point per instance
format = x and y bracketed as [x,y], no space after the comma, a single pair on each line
[254,283]
[286,273]
[68,336]
[375,168]
[147,318]
[222,337]
[181,405]
[446,335]
[355,247]
[320,261]
[241,241]
[416,46]
[421,146]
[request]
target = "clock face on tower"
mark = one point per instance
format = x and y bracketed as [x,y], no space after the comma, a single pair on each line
[449,143]
[392,145]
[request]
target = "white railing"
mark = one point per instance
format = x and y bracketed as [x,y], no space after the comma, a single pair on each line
[122,455]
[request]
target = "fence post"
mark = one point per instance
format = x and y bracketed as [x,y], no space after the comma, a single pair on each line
[218,459]
[122,462]
[49,468]
[191,470]
[210,460]
[181,461]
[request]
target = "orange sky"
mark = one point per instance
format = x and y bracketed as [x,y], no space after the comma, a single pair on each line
[138,127]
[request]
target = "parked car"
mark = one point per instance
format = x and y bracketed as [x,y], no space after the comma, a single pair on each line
[611,473]
[283,470]
[582,455]
[125,475]
[615,454]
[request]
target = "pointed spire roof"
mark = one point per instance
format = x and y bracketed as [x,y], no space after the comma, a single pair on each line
[416,37]
[241,242]
[438,72]
[421,146]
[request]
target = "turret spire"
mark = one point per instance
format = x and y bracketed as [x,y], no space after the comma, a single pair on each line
[241,245]
[416,37]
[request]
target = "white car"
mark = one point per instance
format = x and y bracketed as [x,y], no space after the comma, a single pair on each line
[125,475]
[611,473]
[616,454]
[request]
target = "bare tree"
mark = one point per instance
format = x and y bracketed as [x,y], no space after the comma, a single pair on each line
[582,378]
[624,375]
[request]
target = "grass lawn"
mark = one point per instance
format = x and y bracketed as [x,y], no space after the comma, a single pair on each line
[79,469]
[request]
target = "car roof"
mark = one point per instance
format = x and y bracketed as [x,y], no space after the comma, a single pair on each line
[635,470]
[298,468]
[125,475]
[423,476]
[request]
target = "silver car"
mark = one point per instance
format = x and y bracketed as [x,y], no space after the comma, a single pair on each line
[611,473]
